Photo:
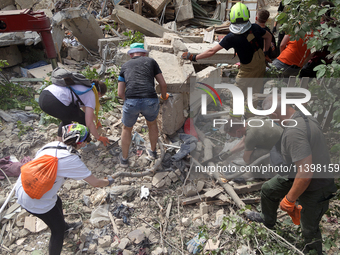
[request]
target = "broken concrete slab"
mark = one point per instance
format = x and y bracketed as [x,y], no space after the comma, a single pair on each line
[137,22]
[210,76]
[78,53]
[158,44]
[172,114]
[123,243]
[82,24]
[156,6]
[25,4]
[11,54]
[136,236]
[184,10]
[222,56]
[5,3]
[111,41]
[9,8]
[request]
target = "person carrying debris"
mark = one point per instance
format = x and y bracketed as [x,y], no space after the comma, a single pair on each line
[136,85]
[247,40]
[72,97]
[258,137]
[69,165]
[261,19]
[305,191]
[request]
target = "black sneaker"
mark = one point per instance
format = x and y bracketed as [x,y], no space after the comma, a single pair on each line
[151,154]
[71,227]
[123,162]
[255,216]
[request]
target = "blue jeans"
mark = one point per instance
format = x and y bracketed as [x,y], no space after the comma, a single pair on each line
[148,107]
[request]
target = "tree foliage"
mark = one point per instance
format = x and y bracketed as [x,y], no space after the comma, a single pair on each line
[301,17]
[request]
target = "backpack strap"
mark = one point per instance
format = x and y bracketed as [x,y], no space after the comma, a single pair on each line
[78,102]
[73,151]
[78,92]
[309,133]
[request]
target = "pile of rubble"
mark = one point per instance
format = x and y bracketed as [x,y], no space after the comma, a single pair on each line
[143,212]
[151,209]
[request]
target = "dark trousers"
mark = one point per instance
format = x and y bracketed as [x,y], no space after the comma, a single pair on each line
[54,219]
[314,205]
[52,106]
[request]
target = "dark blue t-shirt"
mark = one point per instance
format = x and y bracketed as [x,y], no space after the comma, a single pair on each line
[242,47]
[139,77]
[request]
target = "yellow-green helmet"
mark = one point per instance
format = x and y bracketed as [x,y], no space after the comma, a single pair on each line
[239,13]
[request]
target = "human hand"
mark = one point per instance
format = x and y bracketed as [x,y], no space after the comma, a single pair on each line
[110,179]
[293,210]
[189,56]
[193,244]
[166,97]
[104,140]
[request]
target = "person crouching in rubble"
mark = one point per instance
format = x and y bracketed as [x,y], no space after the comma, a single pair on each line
[49,207]
[303,193]
[136,86]
[66,100]
[257,139]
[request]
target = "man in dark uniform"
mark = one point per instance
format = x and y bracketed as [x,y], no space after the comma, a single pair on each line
[310,181]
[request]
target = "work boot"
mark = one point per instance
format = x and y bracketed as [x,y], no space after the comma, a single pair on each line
[123,162]
[255,216]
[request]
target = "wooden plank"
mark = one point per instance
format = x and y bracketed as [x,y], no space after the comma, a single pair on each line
[193,200]
[212,193]
[248,188]
[223,197]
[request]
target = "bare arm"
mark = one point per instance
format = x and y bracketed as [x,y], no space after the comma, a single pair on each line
[89,120]
[121,89]
[246,156]
[93,181]
[302,178]
[238,147]
[284,42]
[267,41]
[160,79]
[210,52]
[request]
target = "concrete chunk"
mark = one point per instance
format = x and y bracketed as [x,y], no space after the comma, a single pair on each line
[5,3]
[159,44]
[156,6]
[77,53]
[221,56]
[11,54]
[172,114]
[184,10]
[137,22]
[82,24]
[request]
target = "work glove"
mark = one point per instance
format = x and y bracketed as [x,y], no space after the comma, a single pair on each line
[274,30]
[193,244]
[188,55]
[98,124]
[293,210]
[104,140]
[110,179]
[166,97]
